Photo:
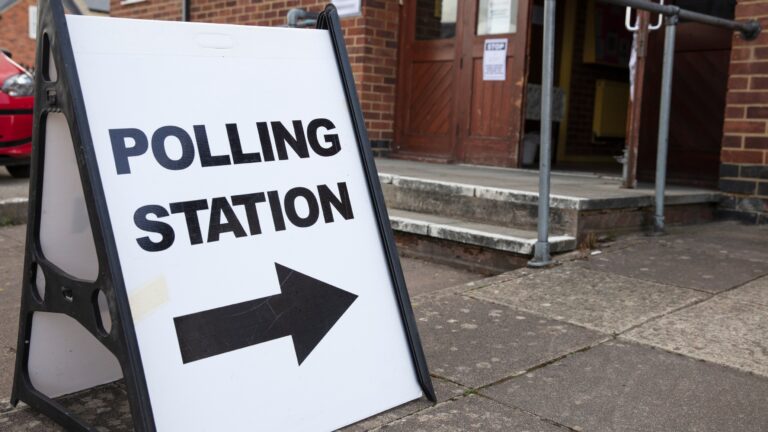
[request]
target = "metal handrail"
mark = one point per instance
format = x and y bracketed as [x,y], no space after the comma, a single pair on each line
[749,29]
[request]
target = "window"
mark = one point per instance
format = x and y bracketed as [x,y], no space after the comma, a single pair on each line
[435,19]
[496,17]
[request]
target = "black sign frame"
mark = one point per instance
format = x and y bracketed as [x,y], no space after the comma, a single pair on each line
[77,298]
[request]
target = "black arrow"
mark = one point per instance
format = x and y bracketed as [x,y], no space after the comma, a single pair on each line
[306,309]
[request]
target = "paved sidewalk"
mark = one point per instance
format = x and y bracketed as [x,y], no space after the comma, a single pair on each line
[649,334]
[13,198]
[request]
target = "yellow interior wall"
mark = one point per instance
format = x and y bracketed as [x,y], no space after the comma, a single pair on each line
[566,69]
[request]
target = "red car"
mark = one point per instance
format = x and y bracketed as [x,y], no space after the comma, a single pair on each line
[16,102]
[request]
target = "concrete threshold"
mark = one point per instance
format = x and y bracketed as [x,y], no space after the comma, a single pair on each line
[636,198]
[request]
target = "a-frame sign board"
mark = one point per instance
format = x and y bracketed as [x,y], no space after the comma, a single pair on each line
[206,222]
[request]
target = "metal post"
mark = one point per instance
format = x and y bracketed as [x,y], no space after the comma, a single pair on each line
[664,114]
[541,256]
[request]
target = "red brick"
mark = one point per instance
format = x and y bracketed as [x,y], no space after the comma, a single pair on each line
[757,112]
[742,156]
[759,83]
[757,143]
[735,112]
[738,83]
[747,98]
[755,9]
[749,68]
[741,126]
[733,141]
[14,33]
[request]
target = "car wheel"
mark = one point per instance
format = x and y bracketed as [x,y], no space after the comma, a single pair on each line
[18,171]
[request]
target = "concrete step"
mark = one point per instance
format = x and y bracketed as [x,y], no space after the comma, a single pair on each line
[497,238]
[482,204]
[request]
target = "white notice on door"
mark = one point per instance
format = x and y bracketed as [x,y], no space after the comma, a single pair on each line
[495,60]
[499,16]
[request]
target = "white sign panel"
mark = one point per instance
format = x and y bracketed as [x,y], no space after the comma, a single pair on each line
[348,8]
[250,250]
[495,59]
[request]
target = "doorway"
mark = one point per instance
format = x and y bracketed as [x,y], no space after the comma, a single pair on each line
[450,109]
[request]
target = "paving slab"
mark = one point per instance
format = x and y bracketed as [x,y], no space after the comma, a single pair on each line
[723,238]
[693,267]
[17,233]
[754,292]
[423,277]
[471,413]
[467,288]
[445,390]
[11,187]
[106,408]
[476,343]
[11,269]
[597,300]
[720,330]
[627,387]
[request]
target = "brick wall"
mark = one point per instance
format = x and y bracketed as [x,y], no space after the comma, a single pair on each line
[14,33]
[371,41]
[744,157]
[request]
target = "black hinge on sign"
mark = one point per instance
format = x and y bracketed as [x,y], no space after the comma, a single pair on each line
[461,63]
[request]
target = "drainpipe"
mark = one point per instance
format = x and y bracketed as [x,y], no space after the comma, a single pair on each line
[541,255]
[185,10]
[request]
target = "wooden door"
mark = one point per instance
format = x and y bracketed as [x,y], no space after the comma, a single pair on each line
[699,88]
[491,115]
[446,111]
[427,82]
